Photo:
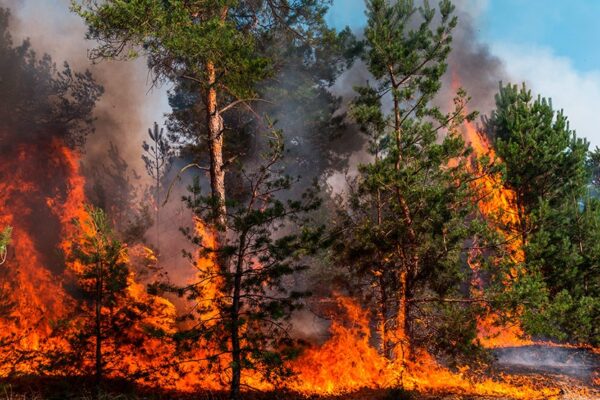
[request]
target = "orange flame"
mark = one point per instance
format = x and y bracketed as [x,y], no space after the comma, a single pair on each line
[34,284]
[347,362]
[496,202]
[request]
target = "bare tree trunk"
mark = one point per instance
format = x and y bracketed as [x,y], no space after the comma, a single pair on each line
[383,315]
[402,328]
[157,205]
[215,144]
[98,333]
[236,354]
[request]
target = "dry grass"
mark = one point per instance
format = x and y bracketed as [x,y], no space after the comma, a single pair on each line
[7,393]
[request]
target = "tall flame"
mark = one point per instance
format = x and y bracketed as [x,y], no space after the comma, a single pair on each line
[40,199]
[32,276]
[498,203]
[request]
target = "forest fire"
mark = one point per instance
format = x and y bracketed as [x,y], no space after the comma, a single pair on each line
[26,200]
[345,363]
[348,361]
[496,203]
[432,271]
[33,326]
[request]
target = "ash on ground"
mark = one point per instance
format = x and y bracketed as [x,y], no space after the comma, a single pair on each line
[574,362]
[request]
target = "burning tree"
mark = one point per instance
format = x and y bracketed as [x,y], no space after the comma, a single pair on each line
[412,211]
[548,168]
[102,273]
[48,116]
[245,302]
[114,316]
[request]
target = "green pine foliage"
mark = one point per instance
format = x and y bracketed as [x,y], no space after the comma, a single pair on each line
[548,168]
[182,37]
[102,280]
[178,36]
[246,326]
[544,159]
[411,214]
[108,323]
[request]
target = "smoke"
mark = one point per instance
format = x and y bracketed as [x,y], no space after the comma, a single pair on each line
[579,363]
[470,63]
[473,65]
[113,136]
[129,104]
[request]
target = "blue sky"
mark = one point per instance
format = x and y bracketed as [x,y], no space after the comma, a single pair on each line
[552,45]
[571,28]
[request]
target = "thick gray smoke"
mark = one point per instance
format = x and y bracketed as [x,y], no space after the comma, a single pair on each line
[129,104]
[111,162]
[471,66]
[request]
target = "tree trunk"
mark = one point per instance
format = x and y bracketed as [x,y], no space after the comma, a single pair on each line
[215,144]
[402,336]
[409,266]
[383,313]
[98,334]
[236,354]
[157,205]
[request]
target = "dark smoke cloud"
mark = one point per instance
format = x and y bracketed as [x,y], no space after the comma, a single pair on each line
[477,69]
[129,104]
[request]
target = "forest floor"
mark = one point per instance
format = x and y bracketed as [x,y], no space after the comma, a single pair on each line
[13,393]
[75,389]
[573,371]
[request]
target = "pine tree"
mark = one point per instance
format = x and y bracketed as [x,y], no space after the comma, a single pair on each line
[411,211]
[545,160]
[245,304]
[217,44]
[548,168]
[157,160]
[102,276]
[114,317]
[564,252]
[48,102]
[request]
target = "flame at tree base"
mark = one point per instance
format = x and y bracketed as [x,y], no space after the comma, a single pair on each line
[347,363]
